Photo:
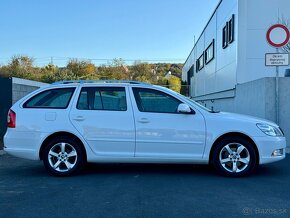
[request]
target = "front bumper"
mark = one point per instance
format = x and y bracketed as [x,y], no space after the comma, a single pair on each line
[267,145]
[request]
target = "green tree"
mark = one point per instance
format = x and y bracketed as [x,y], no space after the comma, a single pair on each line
[117,62]
[174,83]
[118,70]
[20,66]
[50,68]
[23,67]
[80,69]
[142,72]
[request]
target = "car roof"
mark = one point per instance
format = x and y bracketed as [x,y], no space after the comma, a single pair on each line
[77,82]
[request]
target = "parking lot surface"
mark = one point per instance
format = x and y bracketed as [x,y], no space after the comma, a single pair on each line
[142,190]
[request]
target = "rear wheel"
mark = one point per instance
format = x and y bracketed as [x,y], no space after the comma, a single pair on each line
[63,156]
[234,156]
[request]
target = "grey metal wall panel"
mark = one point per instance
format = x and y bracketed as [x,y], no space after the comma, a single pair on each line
[5,104]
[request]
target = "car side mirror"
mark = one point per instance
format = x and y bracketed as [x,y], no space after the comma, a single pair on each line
[184,109]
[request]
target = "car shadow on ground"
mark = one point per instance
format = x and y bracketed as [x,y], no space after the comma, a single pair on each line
[92,168]
[36,168]
[171,169]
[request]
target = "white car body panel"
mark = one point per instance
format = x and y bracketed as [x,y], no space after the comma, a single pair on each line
[110,136]
[165,135]
[109,133]
[246,125]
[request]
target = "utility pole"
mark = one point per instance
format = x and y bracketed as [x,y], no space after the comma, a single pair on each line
[277,91]
[277,80]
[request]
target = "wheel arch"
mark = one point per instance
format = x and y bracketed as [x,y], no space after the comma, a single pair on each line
[234,134]
[59,134]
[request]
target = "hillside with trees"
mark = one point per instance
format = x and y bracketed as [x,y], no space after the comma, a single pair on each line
[164,74]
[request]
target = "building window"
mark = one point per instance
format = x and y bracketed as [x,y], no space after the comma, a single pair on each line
[228,32]
[200,62]
[231,27]
[209,52]
[225,36]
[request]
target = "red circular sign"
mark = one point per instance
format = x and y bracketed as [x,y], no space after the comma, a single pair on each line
[282,42]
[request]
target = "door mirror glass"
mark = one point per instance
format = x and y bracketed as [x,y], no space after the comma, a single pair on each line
[184,109]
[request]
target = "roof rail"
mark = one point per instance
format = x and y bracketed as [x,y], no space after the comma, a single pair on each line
[99,81]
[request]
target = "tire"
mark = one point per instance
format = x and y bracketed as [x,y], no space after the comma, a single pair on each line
[234,157]
[63,156]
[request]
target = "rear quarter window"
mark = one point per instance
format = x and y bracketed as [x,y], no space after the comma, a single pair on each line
[52,98]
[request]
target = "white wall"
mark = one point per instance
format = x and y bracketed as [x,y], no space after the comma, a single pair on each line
[244,59]
[208,75]
[255,17]
[226,58]
[219,74]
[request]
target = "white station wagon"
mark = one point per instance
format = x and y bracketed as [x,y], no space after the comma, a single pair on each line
[69,123]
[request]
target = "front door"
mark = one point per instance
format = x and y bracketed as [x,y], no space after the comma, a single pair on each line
[161,132]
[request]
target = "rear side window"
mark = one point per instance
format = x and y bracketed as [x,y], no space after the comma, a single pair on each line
[102,98]
[53,98]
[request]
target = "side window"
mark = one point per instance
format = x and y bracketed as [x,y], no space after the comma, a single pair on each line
[228,32]
[102,98]
[200,62]
[83,102]
[98,105]
[149,100]
[53,98]
[209,53]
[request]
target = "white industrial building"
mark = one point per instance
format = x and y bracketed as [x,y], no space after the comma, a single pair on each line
[226,68]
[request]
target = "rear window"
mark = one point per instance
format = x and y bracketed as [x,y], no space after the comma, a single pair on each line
[53,98]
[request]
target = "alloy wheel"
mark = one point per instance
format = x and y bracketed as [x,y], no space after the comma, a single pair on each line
[62,157]
[234,157]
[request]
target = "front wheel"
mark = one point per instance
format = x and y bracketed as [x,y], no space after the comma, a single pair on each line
[63,156]
[234,156]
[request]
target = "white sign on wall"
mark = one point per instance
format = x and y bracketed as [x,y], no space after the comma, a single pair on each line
[277,59]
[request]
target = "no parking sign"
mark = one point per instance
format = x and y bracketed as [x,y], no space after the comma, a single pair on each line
[278,35]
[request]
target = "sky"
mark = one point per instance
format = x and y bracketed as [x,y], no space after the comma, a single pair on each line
[143,30]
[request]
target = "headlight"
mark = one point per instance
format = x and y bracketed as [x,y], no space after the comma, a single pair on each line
[269,130]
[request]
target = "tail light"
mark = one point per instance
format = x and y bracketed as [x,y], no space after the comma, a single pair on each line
[11,119]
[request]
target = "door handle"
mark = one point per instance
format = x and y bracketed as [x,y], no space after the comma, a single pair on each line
[79,118]
[143,120]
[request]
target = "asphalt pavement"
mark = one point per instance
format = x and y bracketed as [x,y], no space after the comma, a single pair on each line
[142,190]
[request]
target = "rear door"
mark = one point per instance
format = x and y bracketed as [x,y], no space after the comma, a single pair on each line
[103,115]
